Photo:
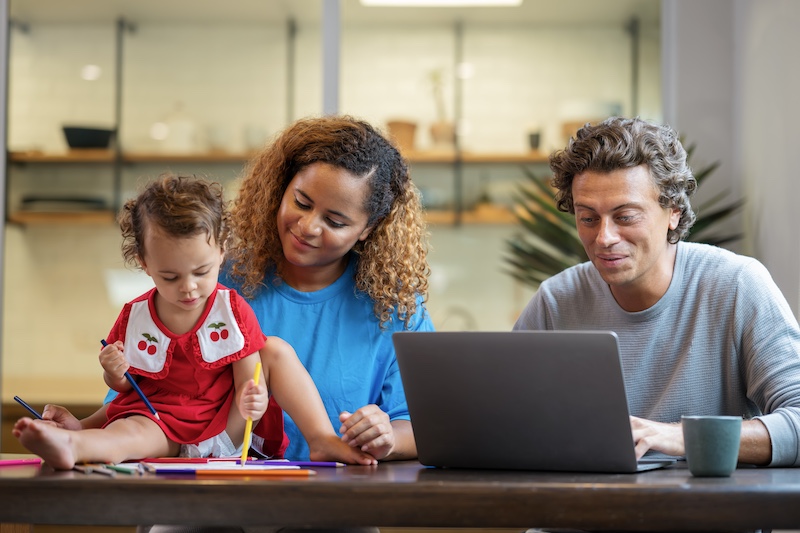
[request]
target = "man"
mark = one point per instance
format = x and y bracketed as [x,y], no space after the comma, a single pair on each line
[701,329]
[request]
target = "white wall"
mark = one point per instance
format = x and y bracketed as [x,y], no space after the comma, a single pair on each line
[731,81]
[232,76]
[770,84]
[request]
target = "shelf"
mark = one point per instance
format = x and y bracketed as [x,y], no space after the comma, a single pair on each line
[90,155]
[449,156]
[61,217]
[198,157]
[85,155]
[481,214]
[108,156]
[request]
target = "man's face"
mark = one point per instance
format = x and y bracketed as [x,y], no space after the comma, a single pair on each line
[624,232]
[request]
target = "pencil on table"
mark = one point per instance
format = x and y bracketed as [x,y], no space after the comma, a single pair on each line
[282,472]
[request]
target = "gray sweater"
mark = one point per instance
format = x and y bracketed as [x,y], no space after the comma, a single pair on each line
[722,340]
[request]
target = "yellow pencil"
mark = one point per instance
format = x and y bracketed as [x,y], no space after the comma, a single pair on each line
[248,426]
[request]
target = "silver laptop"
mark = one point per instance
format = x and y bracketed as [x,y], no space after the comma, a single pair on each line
[522,400]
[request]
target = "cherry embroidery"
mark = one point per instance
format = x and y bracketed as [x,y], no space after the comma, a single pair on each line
[221,334]
[145,346]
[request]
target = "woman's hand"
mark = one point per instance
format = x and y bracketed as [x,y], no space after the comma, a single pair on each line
[370,430]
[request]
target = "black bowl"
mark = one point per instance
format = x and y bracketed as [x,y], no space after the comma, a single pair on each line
[79,137]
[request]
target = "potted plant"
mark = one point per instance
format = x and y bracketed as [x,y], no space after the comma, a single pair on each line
[443,131]
[548,242]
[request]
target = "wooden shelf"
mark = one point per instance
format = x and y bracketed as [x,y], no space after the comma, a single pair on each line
[61,217]
[86,155]
[90,155]
[481,214]
[198,157]
[108,156]
[443,156]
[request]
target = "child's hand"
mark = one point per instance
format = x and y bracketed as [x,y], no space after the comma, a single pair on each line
[112,359]
[331,448]
[253,401]
[60,417]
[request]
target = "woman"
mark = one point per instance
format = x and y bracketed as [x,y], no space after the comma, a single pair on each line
[330,251]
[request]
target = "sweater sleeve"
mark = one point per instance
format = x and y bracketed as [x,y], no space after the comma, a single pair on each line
[771,355]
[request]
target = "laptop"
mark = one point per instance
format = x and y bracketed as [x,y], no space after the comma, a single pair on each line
[520,400]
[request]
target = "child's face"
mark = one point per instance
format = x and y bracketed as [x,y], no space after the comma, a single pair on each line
[184,269]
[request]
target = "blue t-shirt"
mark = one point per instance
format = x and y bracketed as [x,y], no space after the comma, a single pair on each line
[338,339]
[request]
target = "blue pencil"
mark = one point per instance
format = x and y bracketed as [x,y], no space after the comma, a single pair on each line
[301,464]
[137,389]
[28,407]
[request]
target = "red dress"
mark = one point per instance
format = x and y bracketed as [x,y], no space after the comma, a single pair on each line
[187,378]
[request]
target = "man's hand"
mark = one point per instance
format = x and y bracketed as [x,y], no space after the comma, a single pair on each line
[658,436]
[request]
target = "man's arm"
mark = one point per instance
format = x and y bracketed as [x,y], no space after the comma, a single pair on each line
[755,447]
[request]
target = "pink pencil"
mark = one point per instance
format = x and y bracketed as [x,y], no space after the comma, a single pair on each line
[25,461]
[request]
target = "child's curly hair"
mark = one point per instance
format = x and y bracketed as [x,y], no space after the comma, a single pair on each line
[181,206]
[392,265]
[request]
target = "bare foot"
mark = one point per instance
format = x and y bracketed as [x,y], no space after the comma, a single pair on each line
[333,449]
[52,444]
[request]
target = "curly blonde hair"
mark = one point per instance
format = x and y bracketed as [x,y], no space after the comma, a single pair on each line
[181,206]
[392,266]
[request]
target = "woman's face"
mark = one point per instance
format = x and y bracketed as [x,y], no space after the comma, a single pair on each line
[321,218]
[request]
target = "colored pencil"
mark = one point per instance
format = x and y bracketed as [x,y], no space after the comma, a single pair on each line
[248,426]
[94,469]
[197,468]
[236,472]
[137,389]
[189,460]
[28,407]
[250,461]
[121,469]
[302,464]
[18,462]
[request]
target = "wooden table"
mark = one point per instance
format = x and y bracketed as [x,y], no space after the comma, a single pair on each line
[407,494]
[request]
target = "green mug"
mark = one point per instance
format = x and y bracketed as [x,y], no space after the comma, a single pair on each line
[712,444]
